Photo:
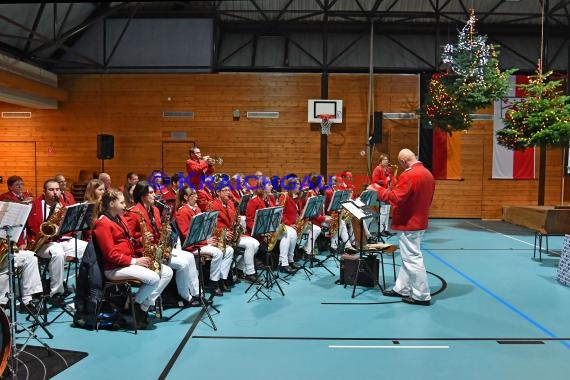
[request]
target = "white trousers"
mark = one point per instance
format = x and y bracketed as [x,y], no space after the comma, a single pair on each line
[412,277]
[152,283]
[287,246]
[384,217]
[186,274]
[250,246]
[221,261]
[31,281]
[312,240]
[344,237]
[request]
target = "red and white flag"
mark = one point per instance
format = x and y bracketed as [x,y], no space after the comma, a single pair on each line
[510,164]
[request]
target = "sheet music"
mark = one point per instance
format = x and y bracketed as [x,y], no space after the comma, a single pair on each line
[351,207]
[13,214]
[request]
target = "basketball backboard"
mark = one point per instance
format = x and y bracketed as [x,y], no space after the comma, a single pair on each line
[318,107]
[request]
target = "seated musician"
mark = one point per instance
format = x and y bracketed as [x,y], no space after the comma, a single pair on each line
[93,194]
[48,209]
[263,198]
[119,256]
[65,197]
[317,221]
[16,192]
[227,219]
[291,209]
[30,280]
[169,196]
[338,227]
[144,219]
[221,261]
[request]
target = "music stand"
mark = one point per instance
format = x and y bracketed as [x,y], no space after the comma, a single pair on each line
[13,216]
[201,228]
[313,207]
[361,213]
[266,220]
[242,207]
[338,197]
[367,197]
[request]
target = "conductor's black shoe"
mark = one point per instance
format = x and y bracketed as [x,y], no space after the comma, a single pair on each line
[287,269]
[413,301]
[392,293]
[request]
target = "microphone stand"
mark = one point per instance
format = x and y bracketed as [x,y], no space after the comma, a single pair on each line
[14,352]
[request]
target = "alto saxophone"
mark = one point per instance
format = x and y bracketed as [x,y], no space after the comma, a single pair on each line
[48,229]
[274,236]
[163,248]
[236,230]
[149,250]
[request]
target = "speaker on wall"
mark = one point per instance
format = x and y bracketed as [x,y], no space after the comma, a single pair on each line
[105,147]
[377,136]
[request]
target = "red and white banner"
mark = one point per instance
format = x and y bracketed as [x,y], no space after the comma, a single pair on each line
[510,164]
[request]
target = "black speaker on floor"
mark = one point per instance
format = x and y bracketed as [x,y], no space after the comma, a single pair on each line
[349,266]
[377,135]
[105,147]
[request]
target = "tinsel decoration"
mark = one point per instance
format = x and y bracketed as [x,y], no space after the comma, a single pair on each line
[542,117]
[473,79]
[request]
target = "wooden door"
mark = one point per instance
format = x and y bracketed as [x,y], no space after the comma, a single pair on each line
[19,158]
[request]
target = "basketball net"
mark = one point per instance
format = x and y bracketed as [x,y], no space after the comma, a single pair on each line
[326,122]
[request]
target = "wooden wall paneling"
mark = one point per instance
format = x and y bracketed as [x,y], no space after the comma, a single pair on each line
[18,158]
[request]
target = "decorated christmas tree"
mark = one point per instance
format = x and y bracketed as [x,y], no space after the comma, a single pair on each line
[473,80]
[541,118]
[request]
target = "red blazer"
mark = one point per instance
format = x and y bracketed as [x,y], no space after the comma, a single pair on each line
[11,197]
[183,217]
[114,245]
[254,204]
[67,199]
[411,198]
[205,199]
[380,175]
[226,215]
[133,220]
[290,210]
[197,169]
[36,218]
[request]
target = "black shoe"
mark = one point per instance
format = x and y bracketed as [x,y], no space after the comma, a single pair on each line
[57,300]
[287,269]
[29,308]
[413,301]
[392,293]
[140,317]
[387,234]
[350,250]
[295,265]
[251,278]
[217,291]
[224,287]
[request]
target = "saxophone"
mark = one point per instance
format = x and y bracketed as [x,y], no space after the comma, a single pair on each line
[163,248]
[236,230]
[220,235]
[48,229]
[274,236]
[149,250]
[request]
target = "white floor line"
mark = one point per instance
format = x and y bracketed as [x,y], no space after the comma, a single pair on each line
[500,233]
[395,346]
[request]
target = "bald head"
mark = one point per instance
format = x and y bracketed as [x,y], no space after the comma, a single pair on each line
[406,158]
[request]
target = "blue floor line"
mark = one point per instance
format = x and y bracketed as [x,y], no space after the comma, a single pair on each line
[495,296]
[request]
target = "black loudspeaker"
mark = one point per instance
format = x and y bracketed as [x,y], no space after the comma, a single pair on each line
[105,147]
[349,265]
[377,135]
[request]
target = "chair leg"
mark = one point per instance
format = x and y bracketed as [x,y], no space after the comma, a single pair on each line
[132,302]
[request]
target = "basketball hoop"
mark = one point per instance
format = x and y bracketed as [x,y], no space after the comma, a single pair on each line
[326,122]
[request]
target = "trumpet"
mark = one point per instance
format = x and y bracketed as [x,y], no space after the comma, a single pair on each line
[214,160]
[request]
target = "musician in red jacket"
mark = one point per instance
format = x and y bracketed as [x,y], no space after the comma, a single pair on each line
[16,192]
[66,198]
[59,250]
[120,260]
[382,176]
[225,205]
[197,167]
[411,199]
[221,260]
[144,214]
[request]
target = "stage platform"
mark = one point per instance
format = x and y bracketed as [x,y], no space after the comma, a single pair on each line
[547,220]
